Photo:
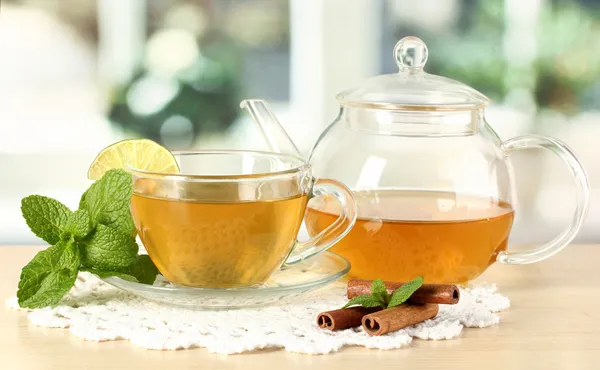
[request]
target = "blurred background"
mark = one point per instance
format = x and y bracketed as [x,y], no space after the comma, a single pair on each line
[76,76]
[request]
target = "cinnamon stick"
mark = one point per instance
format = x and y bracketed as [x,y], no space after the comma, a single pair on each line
[343,318]
[396,318]
[427,293]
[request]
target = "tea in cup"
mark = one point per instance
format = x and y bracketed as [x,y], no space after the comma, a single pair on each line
[230,218]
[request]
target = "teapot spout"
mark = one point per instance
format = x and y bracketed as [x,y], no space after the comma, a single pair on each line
[275,135]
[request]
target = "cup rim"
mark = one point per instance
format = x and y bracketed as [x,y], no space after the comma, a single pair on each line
[301,168]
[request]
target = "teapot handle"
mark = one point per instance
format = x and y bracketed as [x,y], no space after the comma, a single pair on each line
[582,193]
[334,232]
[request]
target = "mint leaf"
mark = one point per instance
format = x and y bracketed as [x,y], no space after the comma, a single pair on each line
[142,271]
[47,218]
[109,249]
[70,258]
[79,224]
[365,300]
[49,290]
[49,275]
[107,201]
[105,274]
[379,292]
[377,286]
[403,293]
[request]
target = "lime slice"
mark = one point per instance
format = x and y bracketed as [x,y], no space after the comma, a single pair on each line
[142,154]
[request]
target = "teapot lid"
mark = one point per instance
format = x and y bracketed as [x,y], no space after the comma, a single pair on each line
[412,88]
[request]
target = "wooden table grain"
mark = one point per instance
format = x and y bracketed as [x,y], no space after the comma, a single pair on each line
[554,323]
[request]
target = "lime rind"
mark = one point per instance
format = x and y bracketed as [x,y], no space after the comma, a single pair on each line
[144,154]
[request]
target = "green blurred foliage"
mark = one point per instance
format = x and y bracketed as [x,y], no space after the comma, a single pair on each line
[568,63]
[207,94]
[565,75]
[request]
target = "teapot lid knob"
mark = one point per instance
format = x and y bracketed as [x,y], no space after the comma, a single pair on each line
[411,54]
[412,89]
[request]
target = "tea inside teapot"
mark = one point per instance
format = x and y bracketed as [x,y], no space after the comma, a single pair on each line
[400,234]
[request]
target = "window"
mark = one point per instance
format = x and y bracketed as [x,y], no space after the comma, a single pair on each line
[77,75]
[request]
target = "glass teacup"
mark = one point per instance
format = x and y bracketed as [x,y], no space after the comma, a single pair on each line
[231,218]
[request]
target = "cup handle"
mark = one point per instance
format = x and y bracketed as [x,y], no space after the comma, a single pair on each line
[334,232]
[582,193]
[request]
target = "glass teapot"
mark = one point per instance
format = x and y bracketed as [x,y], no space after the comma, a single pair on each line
[431,179]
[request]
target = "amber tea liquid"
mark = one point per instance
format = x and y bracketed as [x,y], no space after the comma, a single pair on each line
[227,244]
[400,234]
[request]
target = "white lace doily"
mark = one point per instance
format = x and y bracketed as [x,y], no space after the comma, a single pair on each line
[96,311]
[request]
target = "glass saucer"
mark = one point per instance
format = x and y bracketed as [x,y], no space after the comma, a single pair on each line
[286,283]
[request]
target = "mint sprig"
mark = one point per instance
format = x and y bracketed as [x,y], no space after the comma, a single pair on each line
[379,292]
[379,296]
[98,237]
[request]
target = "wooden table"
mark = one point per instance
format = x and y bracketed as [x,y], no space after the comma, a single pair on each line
[554,323]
